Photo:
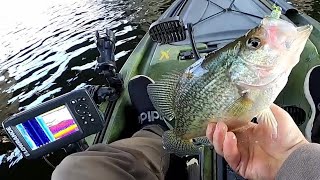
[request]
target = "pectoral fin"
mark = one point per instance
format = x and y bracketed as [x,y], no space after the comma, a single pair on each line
[240,107]
[267,118]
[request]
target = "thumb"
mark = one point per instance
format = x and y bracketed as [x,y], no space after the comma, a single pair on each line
[285,125]
[269,124]
[283,118]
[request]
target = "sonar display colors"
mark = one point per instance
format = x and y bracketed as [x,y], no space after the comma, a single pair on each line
[48,127]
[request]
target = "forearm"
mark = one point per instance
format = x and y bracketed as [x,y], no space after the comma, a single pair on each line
[303,163]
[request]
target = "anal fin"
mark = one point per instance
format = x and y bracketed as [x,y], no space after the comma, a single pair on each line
[203,140]
[180,147]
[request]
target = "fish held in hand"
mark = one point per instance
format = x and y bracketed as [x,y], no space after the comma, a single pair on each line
[233,85]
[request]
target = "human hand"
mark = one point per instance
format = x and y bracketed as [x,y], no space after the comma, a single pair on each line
[253,153]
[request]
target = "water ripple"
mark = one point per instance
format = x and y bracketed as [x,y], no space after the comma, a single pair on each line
[51,47]
[310,7]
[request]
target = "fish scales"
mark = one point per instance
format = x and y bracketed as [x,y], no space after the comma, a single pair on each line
[208,94]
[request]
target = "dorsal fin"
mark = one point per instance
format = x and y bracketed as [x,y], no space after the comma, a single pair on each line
[162,94]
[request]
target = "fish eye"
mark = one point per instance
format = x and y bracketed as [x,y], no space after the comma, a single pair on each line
[253,43]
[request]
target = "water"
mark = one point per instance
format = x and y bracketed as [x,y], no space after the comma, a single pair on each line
[310,7]
[47,49]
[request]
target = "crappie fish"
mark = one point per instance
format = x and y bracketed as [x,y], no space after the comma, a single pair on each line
[234,85]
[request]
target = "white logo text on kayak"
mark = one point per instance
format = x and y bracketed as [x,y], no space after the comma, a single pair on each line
[149,116]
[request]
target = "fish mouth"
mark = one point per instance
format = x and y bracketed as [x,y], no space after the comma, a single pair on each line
[264,85]
[304,32]
[300,39]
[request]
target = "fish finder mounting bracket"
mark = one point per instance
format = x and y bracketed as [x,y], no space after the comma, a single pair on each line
[106,66]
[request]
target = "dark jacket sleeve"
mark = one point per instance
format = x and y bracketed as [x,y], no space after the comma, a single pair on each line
[303,163]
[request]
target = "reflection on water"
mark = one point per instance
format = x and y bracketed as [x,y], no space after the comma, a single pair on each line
[48,49]
[11,157]
[52,51]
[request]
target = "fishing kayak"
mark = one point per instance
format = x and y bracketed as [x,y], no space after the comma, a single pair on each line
[213,24]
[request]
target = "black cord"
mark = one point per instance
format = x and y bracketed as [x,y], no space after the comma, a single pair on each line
[215,4]
[79,145]
[204,12]
[192,42]
[48,162]
[209,17]
[223,11]
[247,14]
[231,4]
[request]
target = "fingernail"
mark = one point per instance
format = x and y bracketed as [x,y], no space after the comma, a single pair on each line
[210,129]
[216,127]
[221,126]
[231,135]
[212,126]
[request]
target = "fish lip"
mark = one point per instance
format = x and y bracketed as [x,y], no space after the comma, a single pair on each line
[259,66]
[304,31]
[263,85]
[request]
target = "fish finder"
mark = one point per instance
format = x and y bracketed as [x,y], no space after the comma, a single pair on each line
[54,124]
